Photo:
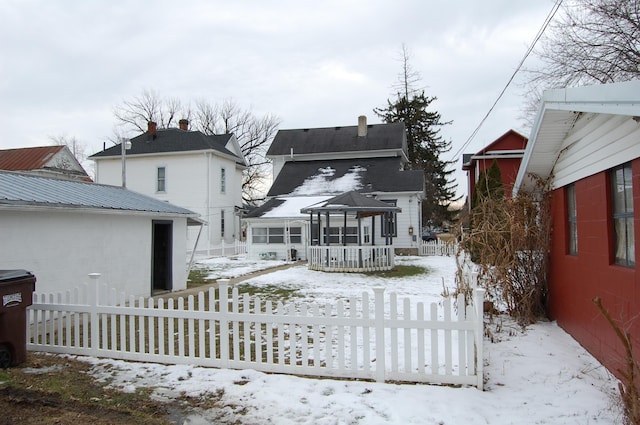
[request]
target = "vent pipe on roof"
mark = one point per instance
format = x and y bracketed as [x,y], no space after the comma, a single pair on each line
[152,129]
[362,126]
[184,124]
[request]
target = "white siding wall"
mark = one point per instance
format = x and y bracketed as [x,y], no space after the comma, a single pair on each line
[409,217]
[61,247]
[259,251]
[277,162]
[596,143]
[192,182]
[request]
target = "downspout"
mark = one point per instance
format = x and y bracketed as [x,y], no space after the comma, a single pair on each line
[208,201]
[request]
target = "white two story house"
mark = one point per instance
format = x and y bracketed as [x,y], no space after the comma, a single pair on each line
[314,166]
[186,168]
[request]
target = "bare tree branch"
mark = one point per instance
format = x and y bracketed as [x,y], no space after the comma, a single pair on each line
[591,42]
[254,134]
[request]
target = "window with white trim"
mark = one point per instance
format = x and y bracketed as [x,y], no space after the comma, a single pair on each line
[337,235]
[276,234]
[295,234]
[223,180]
[259,235]
[267,235]
[161,179]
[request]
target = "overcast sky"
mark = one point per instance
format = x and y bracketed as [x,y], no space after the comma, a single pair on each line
[64,65]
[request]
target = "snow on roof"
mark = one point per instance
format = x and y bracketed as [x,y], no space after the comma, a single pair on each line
[322,182]
[291,206]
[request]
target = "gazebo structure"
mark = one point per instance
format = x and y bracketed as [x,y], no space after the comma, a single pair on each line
[344,240]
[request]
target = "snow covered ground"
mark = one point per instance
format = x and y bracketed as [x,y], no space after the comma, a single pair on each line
[539,376]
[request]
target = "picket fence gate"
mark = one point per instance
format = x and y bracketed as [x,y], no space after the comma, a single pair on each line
[355,338]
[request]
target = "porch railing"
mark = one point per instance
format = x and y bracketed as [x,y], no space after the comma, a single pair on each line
[351,258]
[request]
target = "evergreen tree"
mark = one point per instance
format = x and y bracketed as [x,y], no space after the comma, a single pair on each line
[489,185]
[425,147]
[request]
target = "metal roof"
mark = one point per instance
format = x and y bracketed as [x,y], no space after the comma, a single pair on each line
[27,158]
[30,191]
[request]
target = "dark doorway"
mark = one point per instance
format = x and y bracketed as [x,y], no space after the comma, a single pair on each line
[162,256]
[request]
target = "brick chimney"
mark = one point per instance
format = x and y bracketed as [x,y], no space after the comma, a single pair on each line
[152,129]
[362,126]
[184,124]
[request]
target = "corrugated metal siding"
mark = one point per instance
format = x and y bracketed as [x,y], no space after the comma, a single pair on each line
[27,158]
[18,189]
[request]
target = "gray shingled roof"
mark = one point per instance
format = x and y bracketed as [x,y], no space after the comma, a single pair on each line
[338,139]
[371,175]
[266,207]
[351,201]
[172,140]
[25,190]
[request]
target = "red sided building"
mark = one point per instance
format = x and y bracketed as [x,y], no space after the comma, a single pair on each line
[507,150]
[587,140]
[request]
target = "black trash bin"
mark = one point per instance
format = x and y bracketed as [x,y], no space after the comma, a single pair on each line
[16,293]
[294,254]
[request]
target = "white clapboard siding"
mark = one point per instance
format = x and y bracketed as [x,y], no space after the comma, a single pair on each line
[383,339]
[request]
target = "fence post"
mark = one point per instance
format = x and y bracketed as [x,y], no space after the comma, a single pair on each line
[379,328]
[474,279]
[94,300]
[223,300]
[479,306]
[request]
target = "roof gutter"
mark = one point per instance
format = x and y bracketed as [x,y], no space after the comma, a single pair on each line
[192,218]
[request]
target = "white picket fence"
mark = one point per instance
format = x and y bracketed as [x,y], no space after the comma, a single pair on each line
[223,249]
[360,338]
[438,248]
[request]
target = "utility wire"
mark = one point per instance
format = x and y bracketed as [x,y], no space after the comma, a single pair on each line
[547,20]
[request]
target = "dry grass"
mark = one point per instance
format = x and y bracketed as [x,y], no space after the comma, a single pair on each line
[509,240]
[628,387]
